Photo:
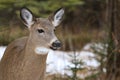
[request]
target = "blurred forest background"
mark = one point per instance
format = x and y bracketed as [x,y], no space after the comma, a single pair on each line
[85,21]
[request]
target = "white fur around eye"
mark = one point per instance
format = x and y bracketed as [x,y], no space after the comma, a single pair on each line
[58,17]
[41,50]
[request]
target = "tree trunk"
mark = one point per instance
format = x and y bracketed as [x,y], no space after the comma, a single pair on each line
[113,57]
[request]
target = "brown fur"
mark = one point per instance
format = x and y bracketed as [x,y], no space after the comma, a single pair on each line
[19,66]
[20,60]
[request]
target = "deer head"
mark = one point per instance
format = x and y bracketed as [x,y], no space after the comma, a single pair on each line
[42,35]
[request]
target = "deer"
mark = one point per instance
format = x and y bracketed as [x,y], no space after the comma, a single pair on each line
[25,58]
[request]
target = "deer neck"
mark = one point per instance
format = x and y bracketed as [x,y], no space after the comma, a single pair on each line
[33,47]
[34,64]
[31,53]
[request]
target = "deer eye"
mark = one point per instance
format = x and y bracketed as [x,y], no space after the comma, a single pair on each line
[40,30]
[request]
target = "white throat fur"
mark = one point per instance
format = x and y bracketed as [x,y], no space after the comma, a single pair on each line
[41,50]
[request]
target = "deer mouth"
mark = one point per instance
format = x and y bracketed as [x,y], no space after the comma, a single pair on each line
[55,48]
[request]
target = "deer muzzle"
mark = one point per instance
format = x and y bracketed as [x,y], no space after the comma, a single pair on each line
[56,45]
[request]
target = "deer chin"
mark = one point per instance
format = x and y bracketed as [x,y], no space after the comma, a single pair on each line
[41,50]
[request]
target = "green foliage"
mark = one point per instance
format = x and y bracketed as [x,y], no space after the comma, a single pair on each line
[37,6]
[100,51]
[77,66]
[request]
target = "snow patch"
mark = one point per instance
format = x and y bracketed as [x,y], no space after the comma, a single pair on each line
[2,49]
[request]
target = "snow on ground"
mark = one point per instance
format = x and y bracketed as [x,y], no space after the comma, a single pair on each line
[2,49]
[58,61]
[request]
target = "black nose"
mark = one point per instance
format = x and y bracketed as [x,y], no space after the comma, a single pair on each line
[56,44]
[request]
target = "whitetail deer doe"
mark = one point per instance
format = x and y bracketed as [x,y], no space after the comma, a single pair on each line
[25,58]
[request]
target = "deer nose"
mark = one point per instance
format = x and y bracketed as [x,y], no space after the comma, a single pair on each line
[56,44]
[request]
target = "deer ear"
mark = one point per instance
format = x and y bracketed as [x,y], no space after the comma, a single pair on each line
[27,17]
[57,17]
